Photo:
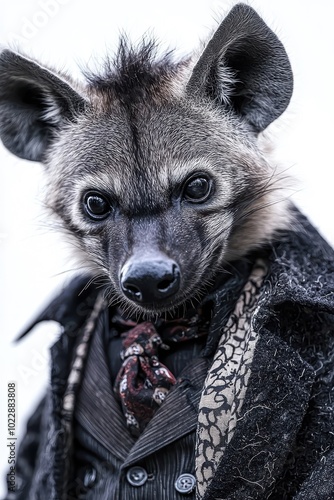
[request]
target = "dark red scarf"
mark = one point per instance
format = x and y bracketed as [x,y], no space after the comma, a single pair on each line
[143,382]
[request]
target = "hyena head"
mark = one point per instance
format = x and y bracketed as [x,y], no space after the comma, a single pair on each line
[153,166]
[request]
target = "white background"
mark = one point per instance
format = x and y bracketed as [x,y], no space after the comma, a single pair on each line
[68,33]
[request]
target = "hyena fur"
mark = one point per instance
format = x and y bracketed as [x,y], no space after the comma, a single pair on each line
[153,165]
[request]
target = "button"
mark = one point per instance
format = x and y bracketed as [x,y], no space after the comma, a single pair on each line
[89,477]
[185,483]
[137,476]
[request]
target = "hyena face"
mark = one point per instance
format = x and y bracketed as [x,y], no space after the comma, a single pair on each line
[152,197]
[153,167]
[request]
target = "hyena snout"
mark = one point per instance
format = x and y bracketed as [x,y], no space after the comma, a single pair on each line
[150,279]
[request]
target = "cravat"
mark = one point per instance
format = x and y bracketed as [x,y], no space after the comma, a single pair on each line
[143,382]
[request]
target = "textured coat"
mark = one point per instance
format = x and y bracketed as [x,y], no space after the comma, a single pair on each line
[282,446]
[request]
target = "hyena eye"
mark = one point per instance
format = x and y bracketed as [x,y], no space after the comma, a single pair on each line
[197,189]
[96,206]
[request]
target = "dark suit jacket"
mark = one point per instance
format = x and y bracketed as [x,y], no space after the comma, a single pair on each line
[282,445]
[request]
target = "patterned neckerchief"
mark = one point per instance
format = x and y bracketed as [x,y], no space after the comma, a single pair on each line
[143,381]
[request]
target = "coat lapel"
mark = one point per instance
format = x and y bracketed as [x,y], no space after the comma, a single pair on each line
[226,382]
[97,409]
[276,400]
[252,405]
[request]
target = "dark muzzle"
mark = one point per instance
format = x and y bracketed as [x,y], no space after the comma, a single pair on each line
[148,279]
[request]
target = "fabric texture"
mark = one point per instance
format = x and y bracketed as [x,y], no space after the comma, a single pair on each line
[277,444]
[143,382]
[226,383]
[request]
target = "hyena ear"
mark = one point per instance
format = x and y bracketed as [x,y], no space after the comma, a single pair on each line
[34,103]
[244,67]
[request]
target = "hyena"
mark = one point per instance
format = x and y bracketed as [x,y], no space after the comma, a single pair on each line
[153,165]
[196,352]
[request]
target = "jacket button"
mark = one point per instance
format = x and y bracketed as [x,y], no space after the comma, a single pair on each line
[185,483]
[136,476]
[89,477]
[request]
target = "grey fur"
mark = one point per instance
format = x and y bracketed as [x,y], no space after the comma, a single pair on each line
[139,130]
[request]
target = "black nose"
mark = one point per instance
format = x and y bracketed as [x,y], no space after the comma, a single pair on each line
[150,279]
